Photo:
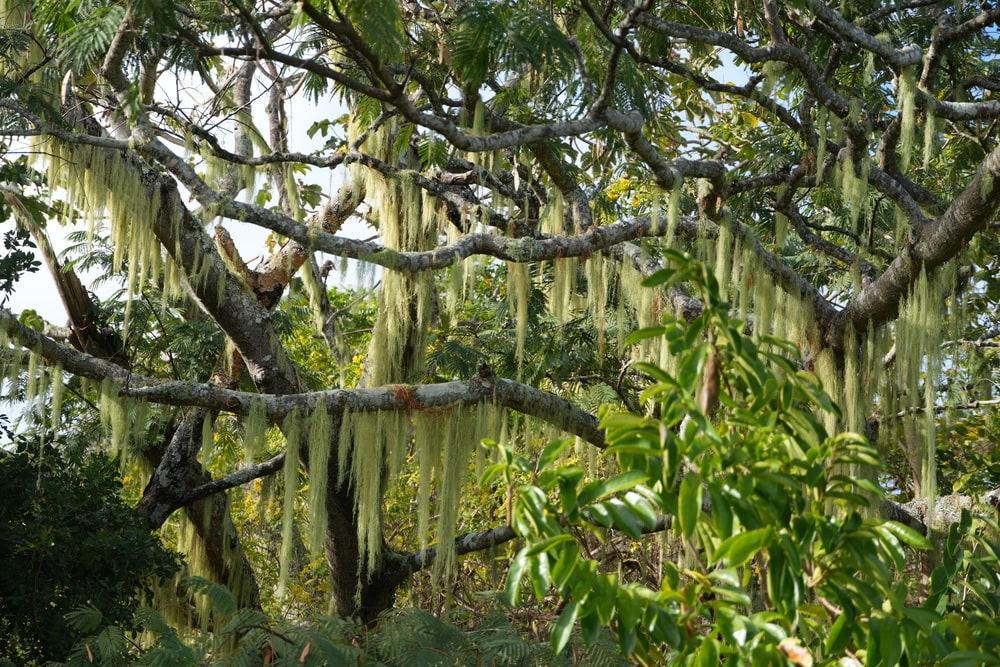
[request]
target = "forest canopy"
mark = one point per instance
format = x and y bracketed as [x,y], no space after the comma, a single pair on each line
[469,207]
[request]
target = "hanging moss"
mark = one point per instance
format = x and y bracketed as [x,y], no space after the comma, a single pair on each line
[822,116]
[428,434]
[101,184]
[907,99]
[930,136]
[292,428]
[57,394]
[918,359]
[31,384]
[255,431]
[563,288]
[115,411]
[207,438]
[320,440]
[723,260]
[518,290]
[374,434]
[598,284]
[460,438]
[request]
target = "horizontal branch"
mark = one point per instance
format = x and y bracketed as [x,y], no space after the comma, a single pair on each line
[403,565]
[430,398]
[433,398]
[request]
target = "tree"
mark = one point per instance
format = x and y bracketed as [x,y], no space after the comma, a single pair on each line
[539,157]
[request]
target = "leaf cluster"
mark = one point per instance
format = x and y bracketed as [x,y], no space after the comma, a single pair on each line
[782,554]
[67,541]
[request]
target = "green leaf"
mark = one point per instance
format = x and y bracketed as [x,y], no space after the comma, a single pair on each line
[840,634]
[738,549]
[708,654]
[624,519]
[689,500]
[564,626]
[565,566]
[548,544]
[552,452]
[515,573]
[907,535]
[601,489]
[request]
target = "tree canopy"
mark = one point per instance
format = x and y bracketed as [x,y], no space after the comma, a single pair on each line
[506,175]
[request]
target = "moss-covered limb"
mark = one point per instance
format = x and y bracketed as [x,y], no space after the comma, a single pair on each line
[931,245]
[526,399]
[406,564]
[72,361]
[784,277]
[923,515]
[500,247]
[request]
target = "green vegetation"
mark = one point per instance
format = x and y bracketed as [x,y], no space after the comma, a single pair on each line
[716,282]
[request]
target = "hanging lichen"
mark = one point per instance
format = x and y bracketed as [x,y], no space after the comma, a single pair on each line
[917,364]
[723,261]
[369,445]
[466,427]
[518,291]
[563,288]
[930,136]
[114,415]
[674,211]
[55,419]
[428,434]
[32,380]
[822,118]
[320,439]
[598,283]
[255,431]
[207,438]
[99,183]
[292,429]
[907,101]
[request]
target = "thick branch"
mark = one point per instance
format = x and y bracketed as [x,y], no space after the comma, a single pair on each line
[932,245]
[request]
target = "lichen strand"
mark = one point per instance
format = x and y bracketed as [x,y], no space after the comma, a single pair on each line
[292,429]
[373,440]
[598,277]
[57,394]
[930,136]
[255,431]
[518,293]
[407,222]
[102,186]
[646,305]
[907,101]
[115,416]
[561,296]
[854,191]
[674,211]
[919,333]
[320,439]
[723,260]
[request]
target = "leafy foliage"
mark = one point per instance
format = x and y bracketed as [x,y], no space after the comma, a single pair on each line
[779,557]
[72,554]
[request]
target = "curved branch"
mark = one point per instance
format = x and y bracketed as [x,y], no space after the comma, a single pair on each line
[930,246]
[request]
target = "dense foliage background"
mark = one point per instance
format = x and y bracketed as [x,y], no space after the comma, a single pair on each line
[773,451]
